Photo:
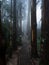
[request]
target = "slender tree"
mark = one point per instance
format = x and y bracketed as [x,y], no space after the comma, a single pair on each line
[34,30]
[2,43]
[20,10]
[29,20]
[10,38]
[14,24]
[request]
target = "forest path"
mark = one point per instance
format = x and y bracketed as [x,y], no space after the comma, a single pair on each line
[25,52]
[23,55]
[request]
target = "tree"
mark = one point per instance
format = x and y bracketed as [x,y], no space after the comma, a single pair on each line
[29,20]
[34,30]
[45,33]
[14,24]
[2,43]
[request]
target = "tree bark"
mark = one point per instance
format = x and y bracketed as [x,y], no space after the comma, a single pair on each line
[34,30]
[45,33]
[14,25]
[2,43]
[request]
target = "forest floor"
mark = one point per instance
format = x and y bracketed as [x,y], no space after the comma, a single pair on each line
[14,59]
[23,55]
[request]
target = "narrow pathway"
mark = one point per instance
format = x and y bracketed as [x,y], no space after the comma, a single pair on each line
[23,57]
[24,54]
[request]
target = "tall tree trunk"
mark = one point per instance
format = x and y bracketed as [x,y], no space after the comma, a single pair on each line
[29,21]
[14,24]
[2,43]
[0,16]
[34,30]
[45,33]
[10,28]
[20,21]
